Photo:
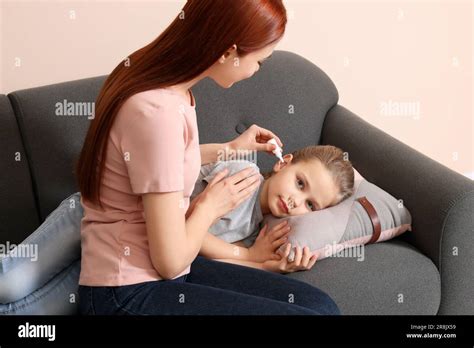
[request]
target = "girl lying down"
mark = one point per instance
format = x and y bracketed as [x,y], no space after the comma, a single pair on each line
[310,179]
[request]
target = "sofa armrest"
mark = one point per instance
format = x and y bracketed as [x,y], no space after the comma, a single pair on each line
[440,200]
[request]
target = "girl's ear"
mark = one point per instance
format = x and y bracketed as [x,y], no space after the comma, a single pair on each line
[280,165]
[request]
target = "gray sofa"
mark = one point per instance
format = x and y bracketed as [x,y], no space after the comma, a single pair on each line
[429,270]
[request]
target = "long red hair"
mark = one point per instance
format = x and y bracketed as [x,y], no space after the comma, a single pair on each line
[202,32]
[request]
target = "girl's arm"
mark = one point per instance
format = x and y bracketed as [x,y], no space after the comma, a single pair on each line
[257,265]
[263,249]
[304,261]
[215,248]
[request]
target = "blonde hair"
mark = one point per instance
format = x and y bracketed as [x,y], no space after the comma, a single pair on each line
[335,162]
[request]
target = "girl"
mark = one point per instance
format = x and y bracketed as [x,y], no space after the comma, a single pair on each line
[310,179]
[141,159]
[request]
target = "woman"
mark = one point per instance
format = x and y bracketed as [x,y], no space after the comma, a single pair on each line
[141,159]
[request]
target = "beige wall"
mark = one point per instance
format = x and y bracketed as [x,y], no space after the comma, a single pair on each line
[404,66]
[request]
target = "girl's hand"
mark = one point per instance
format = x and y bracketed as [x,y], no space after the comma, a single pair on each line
[304,260]
[268,241]
[255,138]
[223,195]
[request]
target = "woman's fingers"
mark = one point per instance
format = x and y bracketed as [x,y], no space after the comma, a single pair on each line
[247,192]
[247,182]
[265,135]
[219,176]
[241,175]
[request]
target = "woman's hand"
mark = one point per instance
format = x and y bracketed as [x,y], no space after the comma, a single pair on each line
[268,242]
[255,138]
[303,261]
[223,195]
[192,205]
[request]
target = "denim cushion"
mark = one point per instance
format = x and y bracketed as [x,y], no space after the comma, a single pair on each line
[51,248]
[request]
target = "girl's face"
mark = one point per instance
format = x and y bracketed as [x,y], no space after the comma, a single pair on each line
[300,188]
[230,68]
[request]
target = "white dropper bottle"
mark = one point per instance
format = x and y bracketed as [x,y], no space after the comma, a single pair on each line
[278,150]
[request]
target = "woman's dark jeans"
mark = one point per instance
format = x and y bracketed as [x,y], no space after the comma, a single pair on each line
[211,288]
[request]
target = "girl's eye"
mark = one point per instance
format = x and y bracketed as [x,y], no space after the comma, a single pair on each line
[300,181]
[311,203]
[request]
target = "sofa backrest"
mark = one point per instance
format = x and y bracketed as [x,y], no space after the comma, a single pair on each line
[18,213]
[289,95]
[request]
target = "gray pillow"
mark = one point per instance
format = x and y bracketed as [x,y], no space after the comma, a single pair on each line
[52,247]
[347,224]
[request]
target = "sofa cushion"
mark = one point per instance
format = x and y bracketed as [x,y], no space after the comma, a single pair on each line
[392,278]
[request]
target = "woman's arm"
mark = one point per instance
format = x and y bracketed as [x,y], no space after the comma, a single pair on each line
[210,152]
[174,242]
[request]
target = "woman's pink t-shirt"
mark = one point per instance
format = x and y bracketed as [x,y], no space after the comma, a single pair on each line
[153,146]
